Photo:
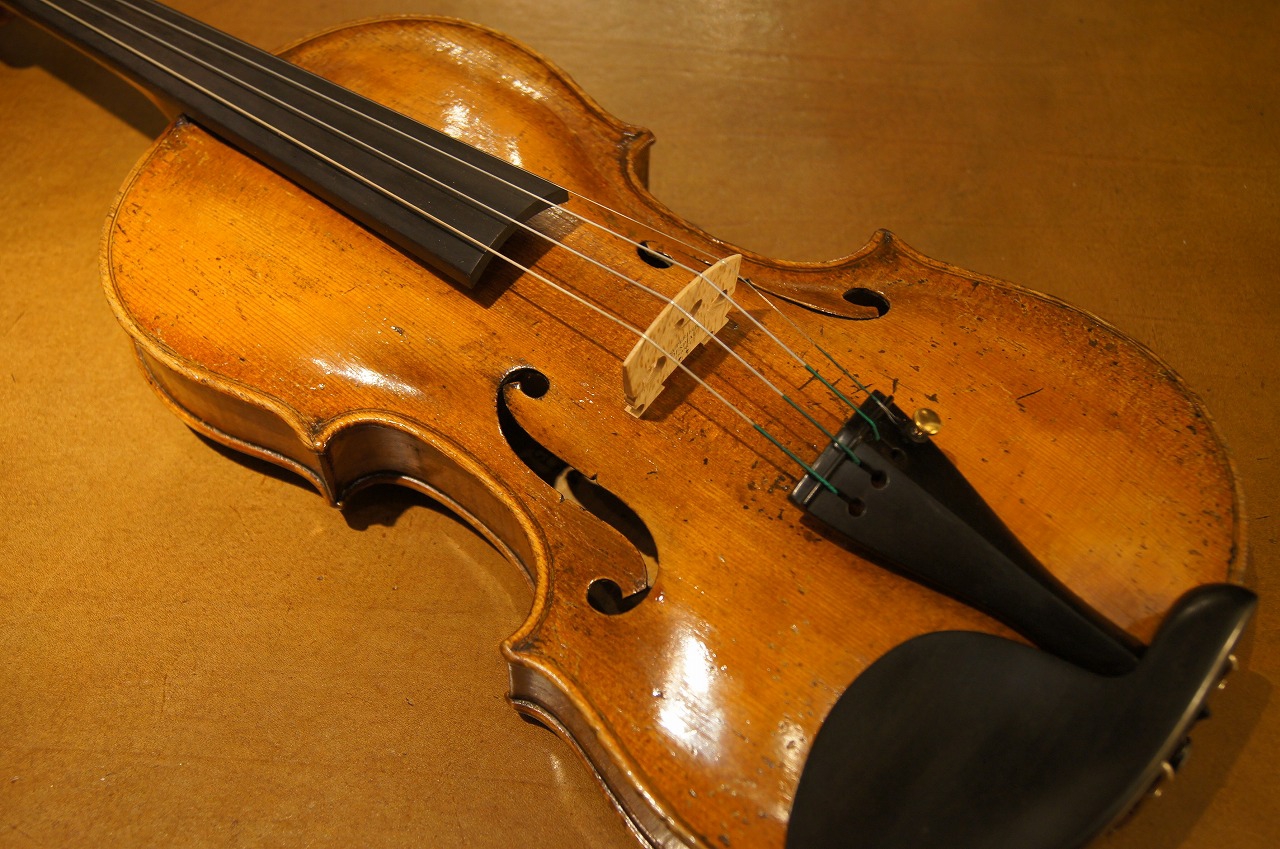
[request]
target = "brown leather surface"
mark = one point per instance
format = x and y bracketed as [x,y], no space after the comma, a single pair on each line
[195,652]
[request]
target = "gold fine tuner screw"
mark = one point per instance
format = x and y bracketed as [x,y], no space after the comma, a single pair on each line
[927,423]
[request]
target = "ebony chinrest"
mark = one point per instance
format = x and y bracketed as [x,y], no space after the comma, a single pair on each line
[956,740]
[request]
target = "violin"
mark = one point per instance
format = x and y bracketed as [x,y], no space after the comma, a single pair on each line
[875,552]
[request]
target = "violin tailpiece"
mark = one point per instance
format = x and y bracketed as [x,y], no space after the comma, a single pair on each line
[905,506]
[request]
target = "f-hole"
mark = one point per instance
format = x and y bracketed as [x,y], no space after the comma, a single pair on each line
[604,595]
[856,304]
[863,297]
[654,256]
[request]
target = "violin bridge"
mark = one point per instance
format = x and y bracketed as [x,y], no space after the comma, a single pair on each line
[673,334]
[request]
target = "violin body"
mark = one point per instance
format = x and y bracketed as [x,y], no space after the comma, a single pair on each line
[277,326]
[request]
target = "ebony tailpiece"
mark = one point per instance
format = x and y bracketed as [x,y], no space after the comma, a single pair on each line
[963,740]
[904,505]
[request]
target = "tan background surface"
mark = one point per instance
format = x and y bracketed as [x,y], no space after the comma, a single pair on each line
[193,652]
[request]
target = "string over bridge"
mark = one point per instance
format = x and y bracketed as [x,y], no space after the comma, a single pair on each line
[699,310]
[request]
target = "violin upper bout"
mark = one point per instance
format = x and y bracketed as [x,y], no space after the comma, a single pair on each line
[488,90]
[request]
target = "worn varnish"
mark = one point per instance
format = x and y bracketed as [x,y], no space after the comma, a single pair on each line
[276,326]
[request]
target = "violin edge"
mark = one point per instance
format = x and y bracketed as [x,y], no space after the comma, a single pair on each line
[310,433]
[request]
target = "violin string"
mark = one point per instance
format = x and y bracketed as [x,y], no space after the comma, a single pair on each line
[814,343]
[457,193]
[521,224]
[704,256]
[445,225]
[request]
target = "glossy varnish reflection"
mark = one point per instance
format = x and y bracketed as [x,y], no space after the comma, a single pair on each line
[275,325]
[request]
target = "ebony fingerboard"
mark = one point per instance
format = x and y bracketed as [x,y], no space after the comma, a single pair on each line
[440,200]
